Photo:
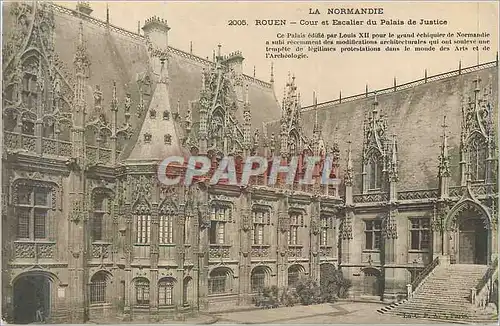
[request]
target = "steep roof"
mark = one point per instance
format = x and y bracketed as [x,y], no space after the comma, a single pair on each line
[414,114]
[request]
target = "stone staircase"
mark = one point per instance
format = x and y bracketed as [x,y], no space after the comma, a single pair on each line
[445,294]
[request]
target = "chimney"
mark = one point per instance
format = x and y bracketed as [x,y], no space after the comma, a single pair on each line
[84,7]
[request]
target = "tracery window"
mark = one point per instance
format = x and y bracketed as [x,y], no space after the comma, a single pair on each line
[32,210]
[258,279]
[261,218]
[477,159]
[373,234]
[165,291]
[142,291]
[98,288]
[221,215]
[373,173]
[296,221]
[420,233]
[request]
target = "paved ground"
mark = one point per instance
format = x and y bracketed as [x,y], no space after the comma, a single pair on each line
[338,313]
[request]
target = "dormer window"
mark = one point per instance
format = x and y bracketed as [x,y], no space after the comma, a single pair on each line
[152,114]
[147,137]
[166,115]
[168,139]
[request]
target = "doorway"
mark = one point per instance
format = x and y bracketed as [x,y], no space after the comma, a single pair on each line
[473,242]
[30,293]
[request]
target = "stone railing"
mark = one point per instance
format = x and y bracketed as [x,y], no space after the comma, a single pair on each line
[483,291]
[418,194]
[411,288]
[371,198]
[25,249]
[98,155]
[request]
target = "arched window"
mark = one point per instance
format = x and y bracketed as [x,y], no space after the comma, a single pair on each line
[98,288]
[219,281]
[294,275]
[187,291]
[166,291]
[33,204]
[142,291]
[477,159]
[373,173]
[258,279]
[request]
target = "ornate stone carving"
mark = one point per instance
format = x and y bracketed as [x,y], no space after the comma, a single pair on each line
[77,213]
[260,252]
[283,222]
[24,250]
[246,219]
[100,250]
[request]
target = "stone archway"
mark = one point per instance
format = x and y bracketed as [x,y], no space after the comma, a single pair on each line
[469,235]
[31,292]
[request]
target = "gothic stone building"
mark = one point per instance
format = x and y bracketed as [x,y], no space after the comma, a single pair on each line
[89,111]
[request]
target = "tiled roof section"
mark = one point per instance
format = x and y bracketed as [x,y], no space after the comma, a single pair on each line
[414,115]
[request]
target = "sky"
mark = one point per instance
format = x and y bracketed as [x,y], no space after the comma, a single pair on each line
[205,24]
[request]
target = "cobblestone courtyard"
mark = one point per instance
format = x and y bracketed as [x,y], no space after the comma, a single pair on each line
[338,313]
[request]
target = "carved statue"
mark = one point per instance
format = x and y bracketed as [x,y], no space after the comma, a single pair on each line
[57,87]
[128,102]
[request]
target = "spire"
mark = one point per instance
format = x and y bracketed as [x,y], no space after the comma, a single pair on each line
[191,47]
[253,72]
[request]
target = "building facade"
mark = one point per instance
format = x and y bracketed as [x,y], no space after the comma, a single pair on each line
[89,231]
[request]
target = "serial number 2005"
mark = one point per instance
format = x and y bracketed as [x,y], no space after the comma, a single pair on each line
[237,22]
